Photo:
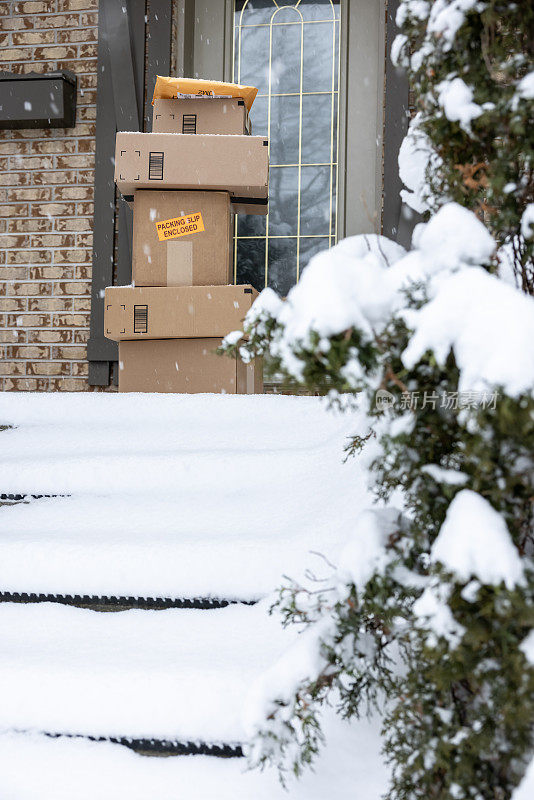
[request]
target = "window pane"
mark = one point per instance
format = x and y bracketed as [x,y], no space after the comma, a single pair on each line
[291,53]
[315,201]
[282,265]
[283,201]
[284,130]
[250,262]
[309,246]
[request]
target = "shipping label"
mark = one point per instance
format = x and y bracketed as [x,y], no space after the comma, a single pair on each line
[180,226]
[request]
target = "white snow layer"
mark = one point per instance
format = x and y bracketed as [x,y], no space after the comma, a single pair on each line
[527,221]
[38,768]
[487,323]
[527,646]
[481,318]
[178,674]
[456,99]
[415,156]
[474,541]
[174,496]
[525,790]
[446,18]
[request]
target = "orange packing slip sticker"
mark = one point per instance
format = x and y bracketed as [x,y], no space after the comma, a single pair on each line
[179,226]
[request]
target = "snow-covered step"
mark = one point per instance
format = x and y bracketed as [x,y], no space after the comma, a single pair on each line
[34,768]
[177,675]
[173,548]
[196,448]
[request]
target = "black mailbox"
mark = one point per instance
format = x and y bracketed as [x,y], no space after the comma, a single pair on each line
[35,100]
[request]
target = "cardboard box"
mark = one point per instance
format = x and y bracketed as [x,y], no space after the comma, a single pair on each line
[201,115]
[242,206]
[220,163]
[175,312]
[181,238]
[184,366]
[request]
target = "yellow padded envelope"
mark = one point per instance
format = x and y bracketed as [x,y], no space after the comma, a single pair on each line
[169,88]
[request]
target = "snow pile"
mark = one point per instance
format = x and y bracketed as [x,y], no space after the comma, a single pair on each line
[525,87]
[456,99]
[484,321]
[474,541]
[270,701]
[34,767]
[365,553]
[474,314]
[527,221]
[447,18]
[436,617]
[528,647]
[525,790]
[416,157]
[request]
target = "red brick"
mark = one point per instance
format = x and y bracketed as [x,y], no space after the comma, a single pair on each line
[14,148]
[75,224]
[84,34]
[50,337]
[13,304]
[50,304]
[80,368]
[50,273]
[30,225]
[12,336]
[73,162]
[81,336]
[14,178]
[73,193]
[72,288]
[33,37]
[83,272]
[68,384]
[28,256]
[48,367]
[70,321]
[53,240]
[13,273]
[53,146]
[29,193]
[25,385]
[31,162]
[57,21]
[28,320]
[32,7]
[12,368]
[27,351]
[71,353]
[14,210]
[81,304]
[7,241]
[29,288]
[54,209]
[76,5]
[54,177]
[14,23]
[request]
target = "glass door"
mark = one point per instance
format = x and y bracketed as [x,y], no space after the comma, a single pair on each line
[291,53]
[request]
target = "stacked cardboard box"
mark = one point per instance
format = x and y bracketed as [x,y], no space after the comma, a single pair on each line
[186,180]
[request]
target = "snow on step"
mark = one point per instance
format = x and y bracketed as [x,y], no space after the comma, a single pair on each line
[174,496]
[31,767]
[176,674]
[156,547]
[172,444]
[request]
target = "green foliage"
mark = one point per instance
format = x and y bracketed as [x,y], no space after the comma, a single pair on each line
[487,166]
[457,698]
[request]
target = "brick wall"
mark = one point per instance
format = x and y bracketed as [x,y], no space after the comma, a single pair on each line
[46,193]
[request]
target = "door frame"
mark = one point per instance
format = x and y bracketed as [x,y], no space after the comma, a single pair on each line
[204,50]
